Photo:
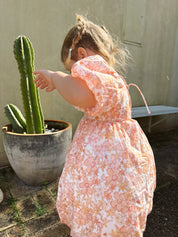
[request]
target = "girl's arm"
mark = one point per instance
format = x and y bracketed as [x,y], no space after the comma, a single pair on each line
[73,90]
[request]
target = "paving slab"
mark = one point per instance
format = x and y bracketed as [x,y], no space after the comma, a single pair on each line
[6,216]
[3,234]
[57,230]
[43,198]
[41,223]
[18,188]
[26,207]
[14,232]
[53,188]
[30,202]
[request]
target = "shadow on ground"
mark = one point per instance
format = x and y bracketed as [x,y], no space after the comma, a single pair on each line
[162,222]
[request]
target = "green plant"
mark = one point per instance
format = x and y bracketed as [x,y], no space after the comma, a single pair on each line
[16,118]
[16,213]
[40,210]
[45,185]
[34,121]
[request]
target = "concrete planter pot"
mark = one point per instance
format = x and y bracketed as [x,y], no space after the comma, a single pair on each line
[38,158]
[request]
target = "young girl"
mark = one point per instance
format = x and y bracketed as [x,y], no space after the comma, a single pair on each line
[107,185]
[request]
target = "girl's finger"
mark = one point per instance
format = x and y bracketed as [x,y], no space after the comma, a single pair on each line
[37,72]
[49,89]
[42,86]
[36,79]
[39,83]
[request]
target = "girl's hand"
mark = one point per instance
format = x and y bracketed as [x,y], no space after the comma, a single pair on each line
[44,80]
[73,90]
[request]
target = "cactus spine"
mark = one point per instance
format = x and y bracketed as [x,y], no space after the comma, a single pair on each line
[24,55]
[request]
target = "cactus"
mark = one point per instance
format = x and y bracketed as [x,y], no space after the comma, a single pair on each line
[16,118]
[24,55]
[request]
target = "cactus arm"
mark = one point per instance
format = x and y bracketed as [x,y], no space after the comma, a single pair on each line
[37,90]
[18,115]
[29,55]
[19,56]
[40,110]
[16,118]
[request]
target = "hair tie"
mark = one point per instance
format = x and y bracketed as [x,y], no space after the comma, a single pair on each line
[68,57]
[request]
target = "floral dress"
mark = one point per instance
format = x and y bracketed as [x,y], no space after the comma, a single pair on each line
[107,185]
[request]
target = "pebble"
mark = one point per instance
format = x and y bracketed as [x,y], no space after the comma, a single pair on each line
[51,130]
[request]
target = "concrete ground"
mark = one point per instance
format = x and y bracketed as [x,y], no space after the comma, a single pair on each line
[30,211]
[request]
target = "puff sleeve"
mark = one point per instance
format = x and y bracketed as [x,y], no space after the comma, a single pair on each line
[101,80]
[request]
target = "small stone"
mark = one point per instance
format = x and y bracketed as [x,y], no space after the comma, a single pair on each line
[1,196]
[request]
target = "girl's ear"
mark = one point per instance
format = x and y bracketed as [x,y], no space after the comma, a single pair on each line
[82,53]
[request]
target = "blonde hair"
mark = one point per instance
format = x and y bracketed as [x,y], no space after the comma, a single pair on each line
[86,34]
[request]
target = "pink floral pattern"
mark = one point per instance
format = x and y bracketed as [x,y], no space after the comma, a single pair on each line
[107,185]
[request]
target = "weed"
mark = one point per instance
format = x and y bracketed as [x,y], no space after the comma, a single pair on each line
[16,213]
[40,210]
[12,201]
[45,185]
